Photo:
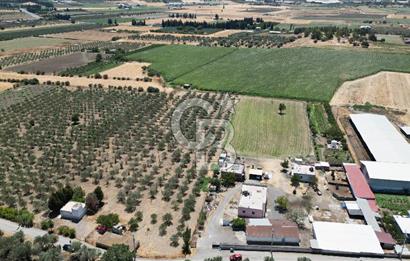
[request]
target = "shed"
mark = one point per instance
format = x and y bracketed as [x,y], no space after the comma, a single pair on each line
[322,165]
[236,168]
[406,131]
[73,211]
[404,224]
[352,208]
[255,174]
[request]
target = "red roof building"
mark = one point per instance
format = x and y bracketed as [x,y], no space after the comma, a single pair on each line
[359,185]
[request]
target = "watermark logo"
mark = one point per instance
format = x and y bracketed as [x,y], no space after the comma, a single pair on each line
[205,139]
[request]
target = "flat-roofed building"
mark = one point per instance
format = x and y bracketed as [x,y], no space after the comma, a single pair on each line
[255,174]
[386,176]
[306,173]
[252,203]
[73,211]
[403,223]
[340,238]
[381,139]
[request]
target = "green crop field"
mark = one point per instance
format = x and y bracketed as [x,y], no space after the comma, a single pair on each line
[398,204]
[259,130]
[300,73]
[31,42]
[318,118]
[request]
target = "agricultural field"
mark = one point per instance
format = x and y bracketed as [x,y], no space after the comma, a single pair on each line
[97,138]
[32,56]
[56,64]
[318,118]
[391,39]
[299,73]
[31,42]
[397,204]
[25,32]
[259,129]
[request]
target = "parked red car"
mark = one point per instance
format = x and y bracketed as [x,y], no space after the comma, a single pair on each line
[235,257]
[101,229]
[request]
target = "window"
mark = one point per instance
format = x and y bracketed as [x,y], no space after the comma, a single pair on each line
[243,211]
[253,212]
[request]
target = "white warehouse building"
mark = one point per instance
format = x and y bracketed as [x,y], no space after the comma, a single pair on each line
[383,141]
[387,177]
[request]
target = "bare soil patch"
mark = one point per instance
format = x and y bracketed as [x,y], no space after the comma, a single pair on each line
[56,64]
[387,89]
[89,35]
[5,86]
[83,81]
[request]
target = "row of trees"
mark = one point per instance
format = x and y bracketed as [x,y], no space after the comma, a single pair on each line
[246,23]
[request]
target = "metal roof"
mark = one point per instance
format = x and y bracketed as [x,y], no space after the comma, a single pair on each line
[383,140]
[358,182]
[387,170]
[347,238]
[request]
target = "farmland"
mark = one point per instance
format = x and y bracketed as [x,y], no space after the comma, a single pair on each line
[300,73]
[56,64]
[397,204]
[31,42]
[97,138]
[259,130]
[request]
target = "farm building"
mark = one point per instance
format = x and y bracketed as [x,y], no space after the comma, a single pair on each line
[73,211]
[352,208]
[275,231]
[306,173]
[406,131]
[322,165]
[236,168]
[404,224]
[339,238]
[381,139]
[359,186]
[252,203]
[387,177]
[255,174]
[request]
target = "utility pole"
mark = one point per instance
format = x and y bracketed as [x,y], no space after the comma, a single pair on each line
[271,245]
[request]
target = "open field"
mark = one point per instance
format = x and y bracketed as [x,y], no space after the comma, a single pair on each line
[300,73]
[129,70]
[387,89]
[391,39]
[89,35]
[56,64]
[31,42]
[259,130]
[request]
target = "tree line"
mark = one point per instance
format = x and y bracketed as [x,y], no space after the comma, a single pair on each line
[246,23]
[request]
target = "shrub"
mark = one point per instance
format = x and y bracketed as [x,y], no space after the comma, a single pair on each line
[47,224]
[109,220]
[239,224]
[23,216]
[66,231]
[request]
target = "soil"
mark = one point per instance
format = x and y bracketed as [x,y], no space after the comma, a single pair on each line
[84,81]
[56,64]
[5,85]
[89,35]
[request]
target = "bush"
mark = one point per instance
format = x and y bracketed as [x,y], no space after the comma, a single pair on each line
[228,179]
[47,224]
[109,220]
[66,231]
[151,89]
[239,224]
[23,217]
